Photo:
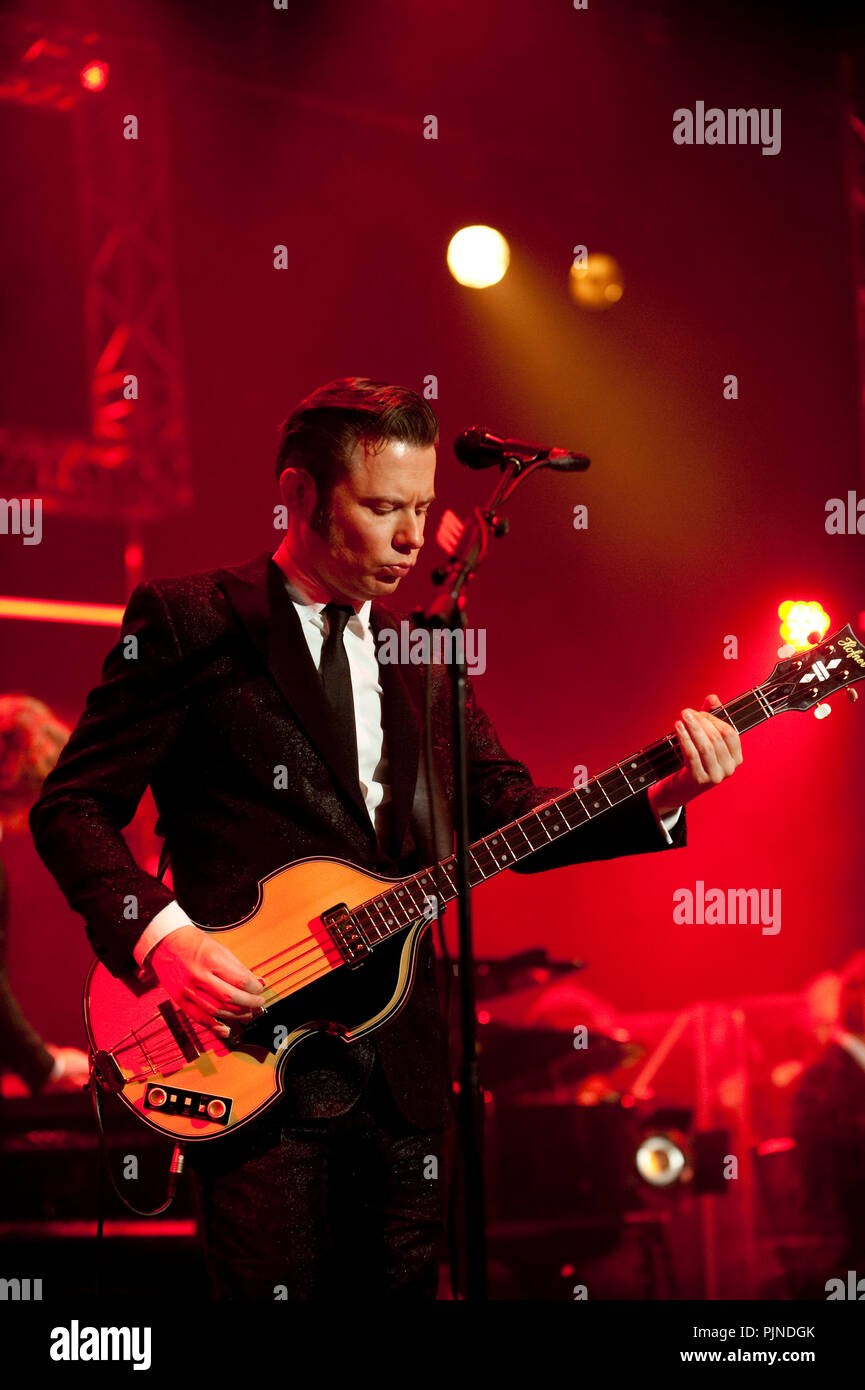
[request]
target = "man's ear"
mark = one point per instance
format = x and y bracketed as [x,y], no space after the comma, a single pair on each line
[298,491]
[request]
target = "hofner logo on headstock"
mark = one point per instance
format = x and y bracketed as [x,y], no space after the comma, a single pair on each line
[852,649]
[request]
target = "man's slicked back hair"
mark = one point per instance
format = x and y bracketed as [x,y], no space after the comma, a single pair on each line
[321,434]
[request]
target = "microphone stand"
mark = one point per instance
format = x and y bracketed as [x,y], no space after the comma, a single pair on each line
[449,610]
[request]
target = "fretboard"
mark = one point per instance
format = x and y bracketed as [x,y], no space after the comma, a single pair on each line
[405,903]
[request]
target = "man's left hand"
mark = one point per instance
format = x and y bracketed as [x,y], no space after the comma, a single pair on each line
[712,751]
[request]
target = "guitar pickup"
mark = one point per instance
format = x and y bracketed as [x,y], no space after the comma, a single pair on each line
[185,1041]
[346,935]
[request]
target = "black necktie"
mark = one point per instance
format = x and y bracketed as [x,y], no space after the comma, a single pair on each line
[336,679]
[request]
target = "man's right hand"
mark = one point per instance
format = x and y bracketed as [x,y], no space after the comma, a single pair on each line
[206,980]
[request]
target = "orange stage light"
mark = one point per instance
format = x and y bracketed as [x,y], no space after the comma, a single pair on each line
[47,610]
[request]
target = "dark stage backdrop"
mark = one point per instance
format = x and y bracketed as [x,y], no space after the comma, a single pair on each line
[555,125]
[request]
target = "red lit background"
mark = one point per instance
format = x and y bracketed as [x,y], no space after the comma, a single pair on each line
[555,126]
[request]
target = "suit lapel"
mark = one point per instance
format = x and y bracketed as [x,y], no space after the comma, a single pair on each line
[256,592]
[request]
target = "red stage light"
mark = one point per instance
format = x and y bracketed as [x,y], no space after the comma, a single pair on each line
[774,1146]
[94,76]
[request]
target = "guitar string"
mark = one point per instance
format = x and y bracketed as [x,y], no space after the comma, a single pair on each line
[279,977]
[664,754]
[294,956]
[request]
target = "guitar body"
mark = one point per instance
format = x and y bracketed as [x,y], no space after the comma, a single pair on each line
[181,1078]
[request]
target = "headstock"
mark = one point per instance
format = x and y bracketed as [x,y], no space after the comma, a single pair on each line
[803,680]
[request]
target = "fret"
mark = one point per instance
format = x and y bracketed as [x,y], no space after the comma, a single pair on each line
[675,749]
[417,908]
[761,700]
[481,849]
[519,826]
[443,865]
[571,810]
[539,834]
[657,756]
[367,924]
[427,882]
[405,895]
[396,902]
[579,793]
[636,771]
[557,819]
[593,798]
[738,720]
[539,819]
[380,926]
[473,864]
[378,919]
[615,785]
[515,839]
[500,849]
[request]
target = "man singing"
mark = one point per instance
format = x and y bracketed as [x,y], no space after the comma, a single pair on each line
[252,701]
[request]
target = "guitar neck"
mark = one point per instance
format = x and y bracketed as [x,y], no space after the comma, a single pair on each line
[405,903]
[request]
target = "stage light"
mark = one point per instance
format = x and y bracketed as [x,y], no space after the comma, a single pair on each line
[664,1159]
[774,1146]
[785,1073]
[597,282]
[94,76]
[803,624]
[478,257]
[34,51]
[41,610]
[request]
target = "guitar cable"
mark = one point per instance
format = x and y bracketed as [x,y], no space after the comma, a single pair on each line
[175,1169]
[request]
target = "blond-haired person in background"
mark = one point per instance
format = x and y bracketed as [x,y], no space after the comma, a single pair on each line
[31,738]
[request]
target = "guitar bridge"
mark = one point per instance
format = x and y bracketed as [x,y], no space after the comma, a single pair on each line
[107,1072]
[346,935]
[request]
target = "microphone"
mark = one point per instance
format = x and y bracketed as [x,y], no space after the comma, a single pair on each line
[477,448]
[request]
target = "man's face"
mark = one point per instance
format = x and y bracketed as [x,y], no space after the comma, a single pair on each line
[375,528]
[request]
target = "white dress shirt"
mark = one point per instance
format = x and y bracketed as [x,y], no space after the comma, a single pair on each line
[359,642]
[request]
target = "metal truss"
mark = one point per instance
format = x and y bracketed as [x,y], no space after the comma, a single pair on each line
[134,466]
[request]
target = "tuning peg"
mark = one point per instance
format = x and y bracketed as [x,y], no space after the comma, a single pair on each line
[822,711]
[786,651]
[852,695]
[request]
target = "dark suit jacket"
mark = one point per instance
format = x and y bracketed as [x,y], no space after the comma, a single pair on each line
[223,690]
